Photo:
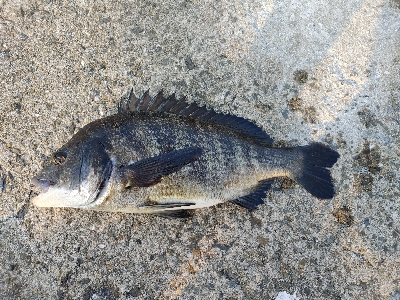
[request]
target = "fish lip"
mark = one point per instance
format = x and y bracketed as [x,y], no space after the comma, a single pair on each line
[42,184]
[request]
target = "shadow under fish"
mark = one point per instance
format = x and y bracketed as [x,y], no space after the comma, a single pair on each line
[164,156]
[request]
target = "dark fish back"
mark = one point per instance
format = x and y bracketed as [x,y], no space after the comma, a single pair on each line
[181,107]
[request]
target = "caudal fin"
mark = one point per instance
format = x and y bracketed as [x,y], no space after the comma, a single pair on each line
[314,175]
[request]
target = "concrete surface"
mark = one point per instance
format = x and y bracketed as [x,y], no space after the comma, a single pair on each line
[305,71]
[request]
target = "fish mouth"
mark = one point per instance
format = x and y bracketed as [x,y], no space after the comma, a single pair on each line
[42,184]
[45,198]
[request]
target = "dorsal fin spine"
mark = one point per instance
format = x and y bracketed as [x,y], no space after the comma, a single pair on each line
[145,101]
[180,107]
[208,115]
[169,103]
[157,102]
[199,113]
[213,117]
[130,104]
[190,109]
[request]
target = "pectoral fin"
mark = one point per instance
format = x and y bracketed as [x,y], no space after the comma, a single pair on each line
[149,171]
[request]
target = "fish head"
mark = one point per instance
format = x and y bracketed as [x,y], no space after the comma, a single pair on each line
[77,175]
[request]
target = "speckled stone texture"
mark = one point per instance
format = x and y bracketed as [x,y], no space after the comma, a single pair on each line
[326,71]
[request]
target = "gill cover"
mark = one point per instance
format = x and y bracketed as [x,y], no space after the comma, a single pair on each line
[96,168]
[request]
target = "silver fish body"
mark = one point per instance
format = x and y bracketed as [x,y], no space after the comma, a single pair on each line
[164,156]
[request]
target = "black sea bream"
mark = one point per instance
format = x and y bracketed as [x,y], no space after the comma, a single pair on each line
[164,156]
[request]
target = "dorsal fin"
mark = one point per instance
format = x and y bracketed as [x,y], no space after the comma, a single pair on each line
[180,107]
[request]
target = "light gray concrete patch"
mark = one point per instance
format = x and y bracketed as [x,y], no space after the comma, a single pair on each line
[64,64]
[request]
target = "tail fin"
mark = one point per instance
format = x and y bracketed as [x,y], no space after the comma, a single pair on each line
[314,175]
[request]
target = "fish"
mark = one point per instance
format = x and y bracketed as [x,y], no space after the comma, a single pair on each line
[165,156]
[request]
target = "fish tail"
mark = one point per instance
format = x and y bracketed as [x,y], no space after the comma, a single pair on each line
[313,174]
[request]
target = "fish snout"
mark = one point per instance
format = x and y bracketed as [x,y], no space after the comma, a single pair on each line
[42,184]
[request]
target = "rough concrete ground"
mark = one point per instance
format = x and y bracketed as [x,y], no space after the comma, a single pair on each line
[304,71]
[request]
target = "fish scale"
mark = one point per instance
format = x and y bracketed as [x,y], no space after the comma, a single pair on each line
[165,156]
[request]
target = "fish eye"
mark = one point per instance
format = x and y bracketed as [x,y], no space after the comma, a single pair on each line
[59,158]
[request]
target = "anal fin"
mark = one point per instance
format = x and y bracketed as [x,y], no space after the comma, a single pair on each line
[253,200]
[174,214]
